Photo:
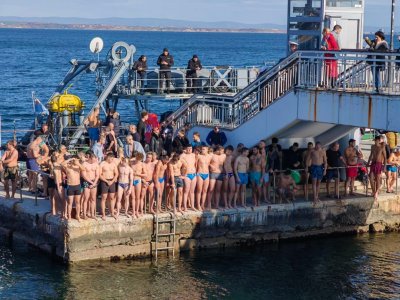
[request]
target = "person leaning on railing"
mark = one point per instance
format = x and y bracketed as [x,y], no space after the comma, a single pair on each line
[194,65]
[140,66]
[378,45]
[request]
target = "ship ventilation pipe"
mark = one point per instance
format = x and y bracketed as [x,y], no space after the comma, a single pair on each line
[65,118]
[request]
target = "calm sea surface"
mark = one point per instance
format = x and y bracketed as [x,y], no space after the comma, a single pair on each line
[335,268]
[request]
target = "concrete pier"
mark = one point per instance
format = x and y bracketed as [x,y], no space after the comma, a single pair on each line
[129,238]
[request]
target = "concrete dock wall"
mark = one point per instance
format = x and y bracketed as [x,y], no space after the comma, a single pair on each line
[127,238]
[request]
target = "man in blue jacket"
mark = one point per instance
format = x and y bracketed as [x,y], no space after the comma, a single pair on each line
[165,61]
[216,137]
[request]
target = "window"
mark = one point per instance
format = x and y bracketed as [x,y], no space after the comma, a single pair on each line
[344,3]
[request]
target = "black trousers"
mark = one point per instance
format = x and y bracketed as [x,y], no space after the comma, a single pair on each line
[165,74]
[192,83]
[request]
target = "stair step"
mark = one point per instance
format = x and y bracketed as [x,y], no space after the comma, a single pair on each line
[164,234]
[164,248]
[166,221]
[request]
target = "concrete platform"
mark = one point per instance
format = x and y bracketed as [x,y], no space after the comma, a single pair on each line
[130,238]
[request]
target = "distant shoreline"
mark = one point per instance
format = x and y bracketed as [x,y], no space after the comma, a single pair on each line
[34,25]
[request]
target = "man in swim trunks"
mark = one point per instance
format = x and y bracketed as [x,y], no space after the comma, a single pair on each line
[262,146]
[73,169]
[138,173]
[91,176]
[175,168]
[188,158]
[33,153]
[229,187]
[318,165]
[203,179]
[376,162]
[147,183]
[351,155]
[94,125]
[10,166]
[392,167]
[216,177]
[125,178]
[108,179]
[334,158]
[306,163]
[241,168]
[257,168]
[159,178]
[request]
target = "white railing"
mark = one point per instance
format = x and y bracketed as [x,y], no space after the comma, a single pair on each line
[344,71]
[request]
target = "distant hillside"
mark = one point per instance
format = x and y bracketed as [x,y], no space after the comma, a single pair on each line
[142,22]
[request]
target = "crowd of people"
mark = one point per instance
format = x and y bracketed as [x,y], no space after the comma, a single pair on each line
[131,171]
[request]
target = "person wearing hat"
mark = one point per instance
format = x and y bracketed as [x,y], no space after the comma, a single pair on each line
[293,46]
[140,66]
[380,45]
[165,61]
[194,65]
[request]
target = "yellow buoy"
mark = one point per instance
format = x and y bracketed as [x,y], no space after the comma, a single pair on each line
[69,102]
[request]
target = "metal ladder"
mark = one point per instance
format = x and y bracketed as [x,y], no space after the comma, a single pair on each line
[157,223]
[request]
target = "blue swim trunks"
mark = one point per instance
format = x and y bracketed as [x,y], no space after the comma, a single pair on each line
[191,176]
[255,178]
[203,176]
[136,182]
[244,178]
[391,168]
[94,133]
[161,179]
[317,172]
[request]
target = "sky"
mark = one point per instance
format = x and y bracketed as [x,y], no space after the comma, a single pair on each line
[377,12]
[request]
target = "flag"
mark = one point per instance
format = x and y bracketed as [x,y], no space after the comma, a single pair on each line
[38,107]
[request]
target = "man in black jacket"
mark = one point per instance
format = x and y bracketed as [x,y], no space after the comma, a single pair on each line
[165,61]
[141,127]
[140,66]
[194,65]
[180,142]
[156,142]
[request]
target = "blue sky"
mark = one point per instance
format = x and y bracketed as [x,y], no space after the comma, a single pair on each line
[246,11]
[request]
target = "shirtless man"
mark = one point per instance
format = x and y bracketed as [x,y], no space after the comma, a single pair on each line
[306,163]
[90,176]
[318,165]
[175,167]
[10,165]
[147,183]
[33,153]
[265,176]
[216,177]
[376,162]
[138,173]
[241,168]
[351,155]
[287,187]
[229,180]
[125,178]
[94,125]
[203,179]
[57,201]
[392,167]
[159,178]
[257,168]
[190,179]
[108,179]
[73,169]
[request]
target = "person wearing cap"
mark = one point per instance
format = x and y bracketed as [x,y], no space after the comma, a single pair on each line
[194,65]
[165,61]
[140,66]
[216,137]
[293,46]
[380,45]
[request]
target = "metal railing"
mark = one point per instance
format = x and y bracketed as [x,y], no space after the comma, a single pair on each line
[344,71]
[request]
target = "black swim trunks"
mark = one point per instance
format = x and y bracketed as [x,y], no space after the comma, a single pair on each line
[73,190]
[10,173]
[105,188]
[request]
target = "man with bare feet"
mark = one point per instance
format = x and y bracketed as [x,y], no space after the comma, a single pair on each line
[351,155]
[318,165]
[306,163]
[334,158]
[159,178]
[108,179]
[241,168]
[138,174]
[94,125]
[33,153]
[90,176]
[73,170]
[229,187]
[216,177]
[203,179]
[125,178]
[147,183]
[10,166]
[175,167]
[257,165]
[190,179]
[287,187]
[376,162]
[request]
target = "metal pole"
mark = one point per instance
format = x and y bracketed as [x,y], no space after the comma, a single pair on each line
[36,188]
[392,25]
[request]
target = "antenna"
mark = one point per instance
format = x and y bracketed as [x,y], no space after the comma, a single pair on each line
[96,45]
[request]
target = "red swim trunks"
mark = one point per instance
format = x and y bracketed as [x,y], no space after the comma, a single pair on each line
[352,171]
[376,168]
